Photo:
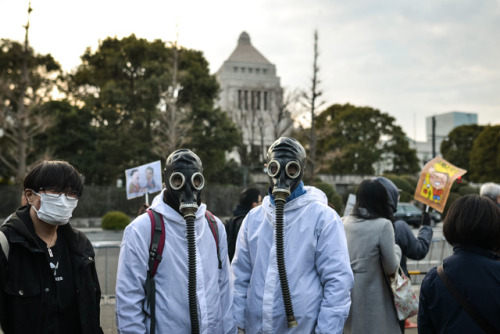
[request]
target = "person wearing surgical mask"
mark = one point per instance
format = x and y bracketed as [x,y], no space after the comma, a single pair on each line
[291,265]
[193,290]
[48,276]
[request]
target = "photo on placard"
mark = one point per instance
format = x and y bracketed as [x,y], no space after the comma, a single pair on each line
[144,179]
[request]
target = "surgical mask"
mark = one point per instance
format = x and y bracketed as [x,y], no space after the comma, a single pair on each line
[55,210]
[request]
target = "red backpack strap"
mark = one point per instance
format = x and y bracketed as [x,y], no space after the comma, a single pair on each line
[157,241]
[155,256]
[212,223]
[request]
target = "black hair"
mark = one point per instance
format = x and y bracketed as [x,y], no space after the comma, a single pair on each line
[473,220]
[133,171]
[54,174]
[249,196]
[372,201]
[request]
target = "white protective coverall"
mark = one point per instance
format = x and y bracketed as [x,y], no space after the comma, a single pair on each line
[214,285]
[317,264]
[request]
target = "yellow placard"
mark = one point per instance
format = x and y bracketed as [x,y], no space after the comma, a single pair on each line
[435,183]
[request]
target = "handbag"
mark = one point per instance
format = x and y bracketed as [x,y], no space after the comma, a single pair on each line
[405,301]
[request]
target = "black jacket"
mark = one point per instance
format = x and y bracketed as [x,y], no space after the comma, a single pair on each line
[411,247]
[233,227]
[27,282]
[475,273]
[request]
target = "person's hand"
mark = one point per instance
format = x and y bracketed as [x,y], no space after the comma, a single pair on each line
[426,219]
[241,331]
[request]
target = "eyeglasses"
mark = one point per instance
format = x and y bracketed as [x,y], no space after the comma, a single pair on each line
[56,193]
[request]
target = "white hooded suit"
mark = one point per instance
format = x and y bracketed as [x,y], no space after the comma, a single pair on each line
[172,305]
[317,264]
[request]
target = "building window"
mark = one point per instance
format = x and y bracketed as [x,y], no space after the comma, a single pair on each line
[257,70]
[239,99]
[236,69]
[264,71]
[242,70]
[265,100]
[257,95]
[246,99]
[250,70]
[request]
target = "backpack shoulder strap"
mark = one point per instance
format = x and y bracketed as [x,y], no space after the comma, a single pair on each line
[212,223]
[157,241]
[4,243]
[155,256]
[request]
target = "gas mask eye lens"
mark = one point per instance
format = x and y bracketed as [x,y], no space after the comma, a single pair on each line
[198,181]
[273,168]
[176,181]
[292,169]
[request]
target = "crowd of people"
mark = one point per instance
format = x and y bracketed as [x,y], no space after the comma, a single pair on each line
[284,263]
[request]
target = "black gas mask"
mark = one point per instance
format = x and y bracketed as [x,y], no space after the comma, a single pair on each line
[286,164]
[184,181]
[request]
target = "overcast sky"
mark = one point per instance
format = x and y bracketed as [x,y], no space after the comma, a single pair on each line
[410,59]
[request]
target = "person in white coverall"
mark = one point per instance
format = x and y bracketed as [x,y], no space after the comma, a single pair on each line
[313,295]
[213,294]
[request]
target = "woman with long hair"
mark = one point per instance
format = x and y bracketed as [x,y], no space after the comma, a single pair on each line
[374,256]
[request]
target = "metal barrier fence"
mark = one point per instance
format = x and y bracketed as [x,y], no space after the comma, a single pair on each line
[438,250]
[107,264]
[106,260]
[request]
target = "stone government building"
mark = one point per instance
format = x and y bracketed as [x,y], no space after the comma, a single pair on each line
[252,95]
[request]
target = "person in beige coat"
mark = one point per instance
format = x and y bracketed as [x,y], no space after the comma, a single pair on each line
[374,255]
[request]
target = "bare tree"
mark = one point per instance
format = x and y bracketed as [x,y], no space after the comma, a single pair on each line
[170,133]
[281,116]
[20,113]
[312,104]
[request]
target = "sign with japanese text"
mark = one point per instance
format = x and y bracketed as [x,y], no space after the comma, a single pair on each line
[435,183]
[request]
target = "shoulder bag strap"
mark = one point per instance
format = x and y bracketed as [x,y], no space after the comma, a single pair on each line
[461,300]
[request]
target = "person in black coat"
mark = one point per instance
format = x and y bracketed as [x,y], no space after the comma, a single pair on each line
[249,199]
[472,226]
[48,278]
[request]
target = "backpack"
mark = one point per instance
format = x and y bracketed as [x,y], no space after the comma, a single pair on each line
[156,251]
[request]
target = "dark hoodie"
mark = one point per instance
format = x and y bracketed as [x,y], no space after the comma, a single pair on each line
[411,247]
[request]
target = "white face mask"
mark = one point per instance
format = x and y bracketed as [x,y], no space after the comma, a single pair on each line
[55,210]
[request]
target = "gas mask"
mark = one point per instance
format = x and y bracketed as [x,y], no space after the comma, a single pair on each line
[286,164]
[184,181]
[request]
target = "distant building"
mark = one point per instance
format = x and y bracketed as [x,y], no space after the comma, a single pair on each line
[444,124]
[251,94]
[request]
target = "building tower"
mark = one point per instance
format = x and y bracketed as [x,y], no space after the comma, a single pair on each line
[252,96]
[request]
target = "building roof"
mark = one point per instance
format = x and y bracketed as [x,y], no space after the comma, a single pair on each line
[246,53]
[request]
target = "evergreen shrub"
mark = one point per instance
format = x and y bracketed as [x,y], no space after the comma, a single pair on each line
[115,220]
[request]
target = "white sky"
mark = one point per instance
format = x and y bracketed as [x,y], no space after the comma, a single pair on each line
[411,59]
